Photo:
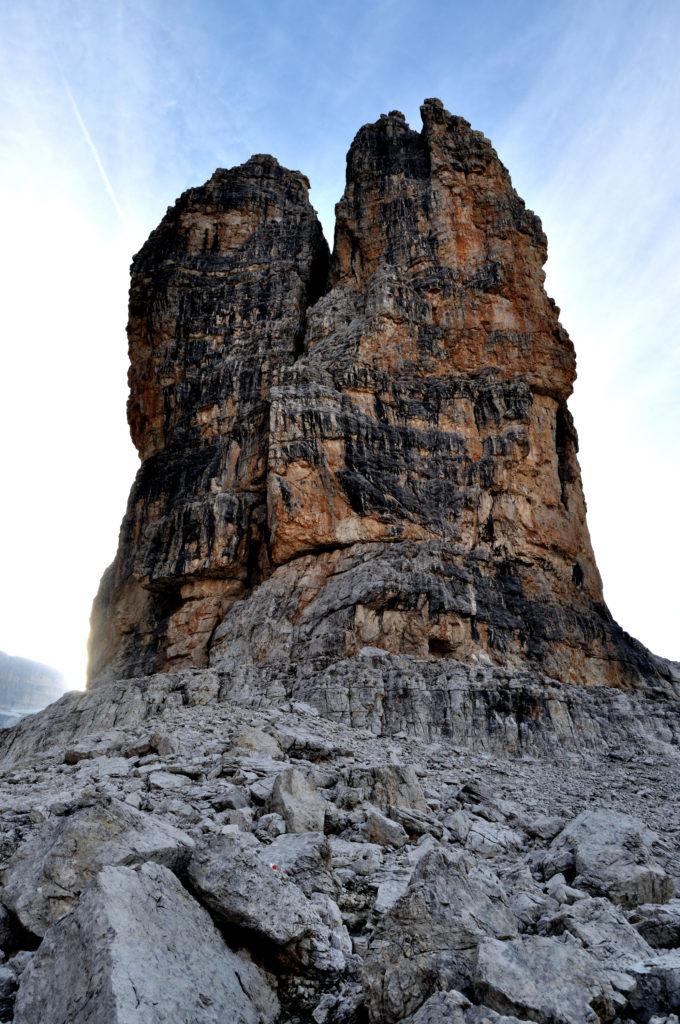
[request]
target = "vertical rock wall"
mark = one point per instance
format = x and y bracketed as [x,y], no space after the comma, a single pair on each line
[389,464]
[218,300]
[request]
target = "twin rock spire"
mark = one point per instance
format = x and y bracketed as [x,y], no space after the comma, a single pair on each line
[366,459]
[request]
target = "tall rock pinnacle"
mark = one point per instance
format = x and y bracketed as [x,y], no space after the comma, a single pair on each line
[375,457]
[218,300]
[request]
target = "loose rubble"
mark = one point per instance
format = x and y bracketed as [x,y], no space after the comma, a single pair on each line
[441,882]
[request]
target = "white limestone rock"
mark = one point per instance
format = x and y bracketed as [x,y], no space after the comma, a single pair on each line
[610,854]
[49,871]
[137,949]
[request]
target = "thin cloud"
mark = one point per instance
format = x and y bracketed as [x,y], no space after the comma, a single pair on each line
[93,149]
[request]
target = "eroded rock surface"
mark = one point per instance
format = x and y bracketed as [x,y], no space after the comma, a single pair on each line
[425,849]
[355,685]
[138,950]
[47,874]
[218,303]
[375,453]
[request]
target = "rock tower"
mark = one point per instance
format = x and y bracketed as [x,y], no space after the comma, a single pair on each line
[333,766]
[364,458]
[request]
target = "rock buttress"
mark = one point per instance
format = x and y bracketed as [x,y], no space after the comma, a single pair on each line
[217,312]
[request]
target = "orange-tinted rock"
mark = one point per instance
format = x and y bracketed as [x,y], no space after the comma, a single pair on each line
[391,465]
[217,312]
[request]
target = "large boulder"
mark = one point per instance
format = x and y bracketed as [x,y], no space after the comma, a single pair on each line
[386,785]
[137,949]
[427,940]
[601,928]
[610,854]
[544,980]
[657,986]
[49,871]
[306,859]
[453,1008]
[243,890]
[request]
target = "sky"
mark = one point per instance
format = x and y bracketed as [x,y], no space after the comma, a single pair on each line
[108,111]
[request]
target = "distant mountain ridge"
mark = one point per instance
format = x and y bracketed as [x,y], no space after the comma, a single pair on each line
[26,686]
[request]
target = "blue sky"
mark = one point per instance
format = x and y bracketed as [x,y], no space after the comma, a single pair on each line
[109,110]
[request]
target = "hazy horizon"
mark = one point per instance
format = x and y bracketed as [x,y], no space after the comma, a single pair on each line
[109,113]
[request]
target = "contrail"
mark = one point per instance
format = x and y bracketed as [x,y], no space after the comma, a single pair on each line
[88,138]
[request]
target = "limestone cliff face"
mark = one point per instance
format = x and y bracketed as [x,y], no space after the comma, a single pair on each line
[378,455]
[218,300]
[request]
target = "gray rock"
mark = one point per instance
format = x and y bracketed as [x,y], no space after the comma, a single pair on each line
[601,928]
[168,782]
[137,949]
[416,823]
[306,859]
[358,858]
[231,875]
[453,1008]
[483,1015]
[544,980]
[298,802]
[657,985]
[426,941]
[229,797]
[387,786]
[545,826]
[442,1008]
[391,888]
[610,854]
[258,741]
[490,839]
[659,924]
[384,831]
[269,826]
[9,983]
[49,871]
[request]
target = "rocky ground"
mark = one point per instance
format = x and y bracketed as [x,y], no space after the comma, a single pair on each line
[171,856]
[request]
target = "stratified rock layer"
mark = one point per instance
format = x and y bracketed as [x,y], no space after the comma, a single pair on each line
[217,312]
[391,465]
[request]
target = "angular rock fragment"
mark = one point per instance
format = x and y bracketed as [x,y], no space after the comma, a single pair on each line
[47,874]
[657,985]
[442,1008]
[453,1008]
[601,928]
[305,858]
[610,853]
[298,801]
[137,949]
[658,924]
[243,889]
[9,983]
[544,980]
[427,940]
[384,831]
